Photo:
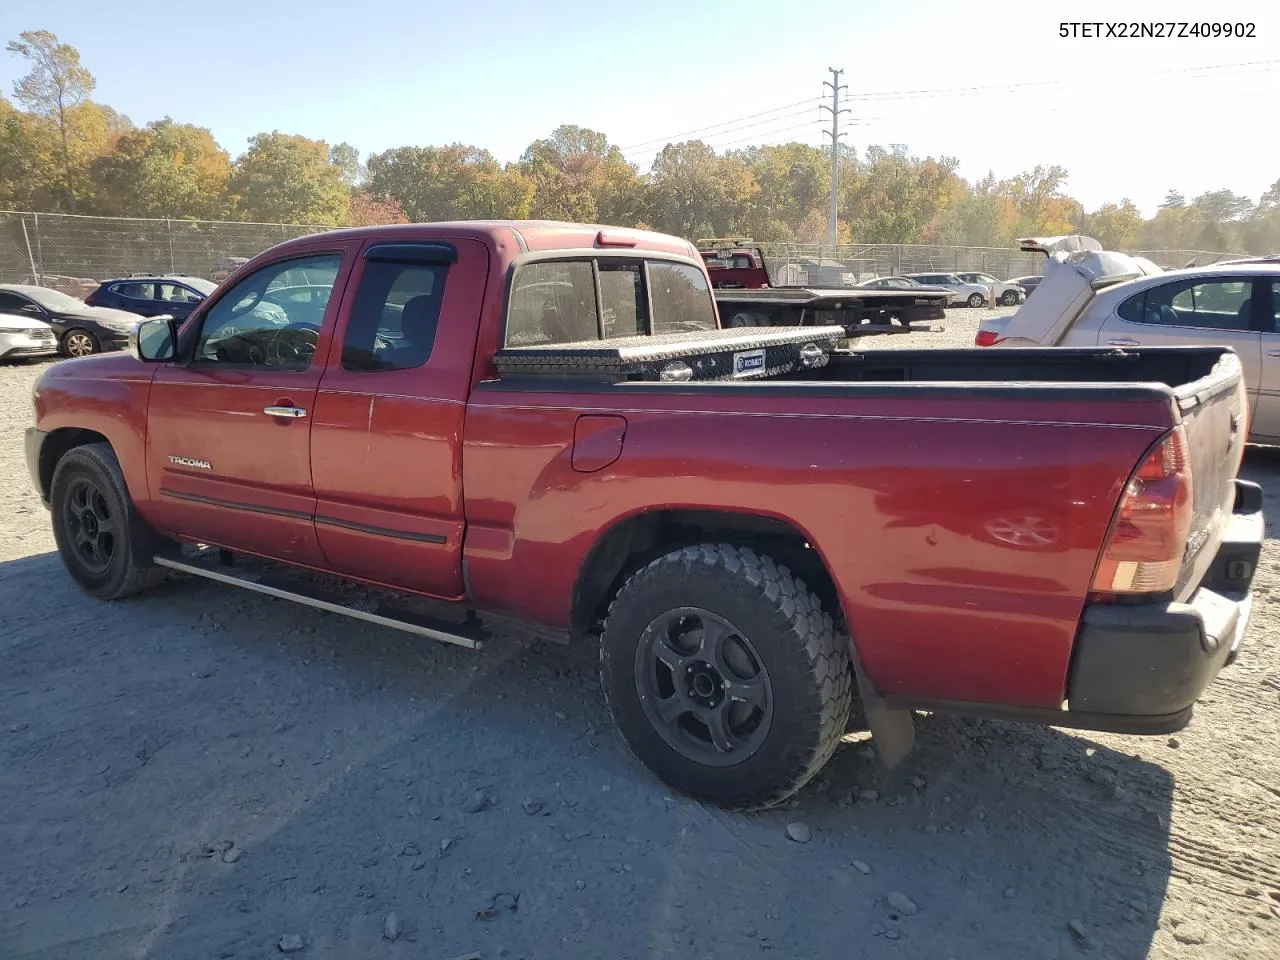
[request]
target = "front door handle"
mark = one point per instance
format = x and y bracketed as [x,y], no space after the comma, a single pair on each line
[1123,342]
[1273,353]
[288,413]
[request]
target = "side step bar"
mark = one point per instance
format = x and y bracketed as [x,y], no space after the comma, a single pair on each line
[396,619]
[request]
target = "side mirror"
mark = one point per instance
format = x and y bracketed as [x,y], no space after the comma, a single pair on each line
[33,308]
[155,340]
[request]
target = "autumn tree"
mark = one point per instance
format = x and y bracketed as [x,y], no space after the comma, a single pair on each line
[56,84]
[577,175]
[367,211]
[456,182]
[30,177]
[285,178]
[167,170]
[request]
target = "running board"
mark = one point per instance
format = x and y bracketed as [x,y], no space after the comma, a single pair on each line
[261,583]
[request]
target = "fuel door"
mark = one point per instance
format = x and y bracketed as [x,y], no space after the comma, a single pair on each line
[597,441]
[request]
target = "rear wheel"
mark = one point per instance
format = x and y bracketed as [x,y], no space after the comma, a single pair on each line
[79,343]
[976,300]
[105,546]
[725,676]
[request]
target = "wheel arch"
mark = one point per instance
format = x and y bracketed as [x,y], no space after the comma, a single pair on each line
[56,446]
[633,541]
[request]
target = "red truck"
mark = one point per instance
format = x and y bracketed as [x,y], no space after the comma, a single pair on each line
[1056,536]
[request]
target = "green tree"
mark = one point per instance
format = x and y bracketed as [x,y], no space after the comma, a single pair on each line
[285,178]
[456,182]
[56,84]
[168,170]
[794,182]
[347,159]
[694,193]
[1115,226]
[893,196]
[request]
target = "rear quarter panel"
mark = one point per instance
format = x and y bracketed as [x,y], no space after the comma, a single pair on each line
[962,536]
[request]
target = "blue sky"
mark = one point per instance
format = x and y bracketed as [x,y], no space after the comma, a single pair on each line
[1125,117]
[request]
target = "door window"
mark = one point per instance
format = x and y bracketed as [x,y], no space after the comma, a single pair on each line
[394,317]
[271,319]
[135,291]
[1218,304]
[176,293]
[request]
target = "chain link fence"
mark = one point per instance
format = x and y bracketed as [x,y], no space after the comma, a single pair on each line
[67,252]
[74,252]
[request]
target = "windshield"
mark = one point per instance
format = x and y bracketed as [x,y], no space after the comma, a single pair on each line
[52,299]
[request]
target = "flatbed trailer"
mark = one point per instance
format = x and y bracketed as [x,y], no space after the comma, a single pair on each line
[860,312]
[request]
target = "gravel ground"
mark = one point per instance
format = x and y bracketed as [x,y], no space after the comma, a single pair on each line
[205,773]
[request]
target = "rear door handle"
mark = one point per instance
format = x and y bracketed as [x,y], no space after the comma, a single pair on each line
[1123,342]
[1273,353]
[288,413]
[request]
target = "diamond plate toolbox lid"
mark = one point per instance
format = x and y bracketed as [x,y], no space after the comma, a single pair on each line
[735,354]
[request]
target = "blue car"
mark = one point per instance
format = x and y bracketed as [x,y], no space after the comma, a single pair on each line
[152,296]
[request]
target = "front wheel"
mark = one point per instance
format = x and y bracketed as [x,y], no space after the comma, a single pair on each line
[105,546]
[1009,298]
[725,676]
[976,300]
[79,343]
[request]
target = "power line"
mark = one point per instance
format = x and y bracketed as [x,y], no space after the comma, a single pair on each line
[727,123]
[1040,84]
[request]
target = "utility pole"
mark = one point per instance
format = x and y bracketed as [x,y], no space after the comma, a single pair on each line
[835,110]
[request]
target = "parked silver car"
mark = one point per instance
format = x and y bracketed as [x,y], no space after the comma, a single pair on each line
[970,294]
[1094,297]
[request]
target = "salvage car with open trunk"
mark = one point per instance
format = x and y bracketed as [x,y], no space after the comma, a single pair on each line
[544,426]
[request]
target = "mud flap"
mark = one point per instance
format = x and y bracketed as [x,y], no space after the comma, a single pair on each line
[893,729]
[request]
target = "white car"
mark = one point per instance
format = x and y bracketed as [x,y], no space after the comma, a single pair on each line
[1008,292]
[1092,297]
[25,337]
[970,294]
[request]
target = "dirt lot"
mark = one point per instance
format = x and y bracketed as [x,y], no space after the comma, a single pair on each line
[200,773]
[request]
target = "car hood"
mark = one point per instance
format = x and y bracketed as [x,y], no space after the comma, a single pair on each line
[17,321]
[109,314]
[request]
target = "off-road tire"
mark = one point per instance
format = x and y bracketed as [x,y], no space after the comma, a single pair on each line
[130,569]
[806,659]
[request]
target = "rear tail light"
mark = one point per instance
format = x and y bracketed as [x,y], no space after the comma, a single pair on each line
[1145,547]
[987,338]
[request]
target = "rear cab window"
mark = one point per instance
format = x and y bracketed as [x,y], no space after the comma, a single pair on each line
[606,298]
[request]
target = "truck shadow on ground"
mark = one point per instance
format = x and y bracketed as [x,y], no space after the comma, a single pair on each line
[197,772]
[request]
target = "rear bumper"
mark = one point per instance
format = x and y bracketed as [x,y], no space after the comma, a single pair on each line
[1151,661]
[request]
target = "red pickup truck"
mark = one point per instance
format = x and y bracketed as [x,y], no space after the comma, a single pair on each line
[1049,535]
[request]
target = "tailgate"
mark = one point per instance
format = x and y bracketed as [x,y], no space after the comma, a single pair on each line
[1213,410]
